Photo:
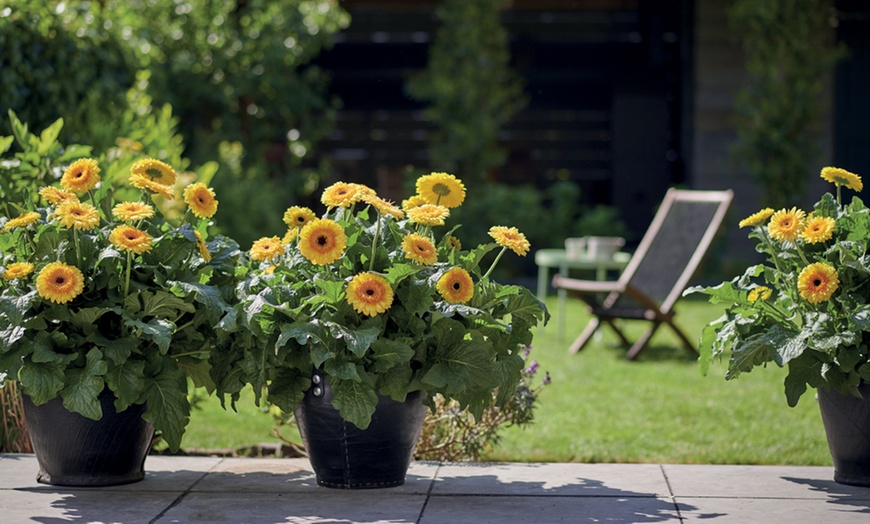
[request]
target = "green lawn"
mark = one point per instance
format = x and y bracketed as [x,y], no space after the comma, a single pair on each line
[602,408]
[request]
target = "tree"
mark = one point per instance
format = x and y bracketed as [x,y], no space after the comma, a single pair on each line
[790,51]
[470,86]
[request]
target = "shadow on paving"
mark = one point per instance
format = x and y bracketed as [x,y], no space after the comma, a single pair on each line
[840,494]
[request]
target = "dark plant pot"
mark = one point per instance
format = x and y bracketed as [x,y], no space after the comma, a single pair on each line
[73,450]
[847,426]
[344,456]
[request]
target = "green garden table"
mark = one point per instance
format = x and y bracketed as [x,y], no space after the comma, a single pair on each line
[558,258]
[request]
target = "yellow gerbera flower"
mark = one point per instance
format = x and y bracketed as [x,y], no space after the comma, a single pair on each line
[456,286]
[760,292]
[143,182]
[413,202]
[155,171]
[54,195]
[322,241]
[200,199]
[453,242]
[78,215]
[756,219]
[340,194]
[420,249]
[21,221]
[786,224]
[200,245]
[369,294]
[81,176]
[383,207]
[59,282]
[128,238]
[428,215]
[17,270]
[817,282]
[297,216]
[441,189]
[818,229]
[132,211]
[266,249]
[511,238]
[841,177]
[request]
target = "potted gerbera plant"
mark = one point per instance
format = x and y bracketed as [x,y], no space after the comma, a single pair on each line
[358,317]
[107,310]
[806,308]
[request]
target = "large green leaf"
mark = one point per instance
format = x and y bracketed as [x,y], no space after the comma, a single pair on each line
[127,380]
[84,385]
[164,304]
[387,353]
[463,364]
[355,401]
[42,382]
[168,407]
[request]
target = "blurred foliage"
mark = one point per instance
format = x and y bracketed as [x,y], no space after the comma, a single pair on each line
[53,69]
[790,51]
[471,89]
[235,73]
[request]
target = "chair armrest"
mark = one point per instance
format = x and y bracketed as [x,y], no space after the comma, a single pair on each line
[587,286]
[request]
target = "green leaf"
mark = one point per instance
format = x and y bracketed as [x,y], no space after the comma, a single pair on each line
[168,407]
[87,316]
[287,388]
[42,382]
[460,364]
[157,330]
[358,341]
[331,291]
[802,371]
[117,350]
[387,353]
[84,385]
[48,136]
[400,272]
[355,401]
[5,143]
[342,369]
[127,380]
[395,382]
[198,369]
[163,304]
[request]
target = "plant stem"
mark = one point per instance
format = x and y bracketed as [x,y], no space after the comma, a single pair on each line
[494,262]
[375,243]
[127,280]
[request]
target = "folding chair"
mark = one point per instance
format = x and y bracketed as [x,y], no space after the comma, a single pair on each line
[659,270]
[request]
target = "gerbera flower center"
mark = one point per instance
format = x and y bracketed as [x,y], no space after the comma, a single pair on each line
[322,241]
[441,189]
[817,282]
[59,280]
[370,292]
[457,286]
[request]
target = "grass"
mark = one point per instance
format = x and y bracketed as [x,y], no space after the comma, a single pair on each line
[602,408]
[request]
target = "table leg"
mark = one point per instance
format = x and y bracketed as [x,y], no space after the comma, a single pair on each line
[543,274]
[563,295]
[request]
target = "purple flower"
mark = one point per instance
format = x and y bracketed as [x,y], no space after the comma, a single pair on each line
[532,369]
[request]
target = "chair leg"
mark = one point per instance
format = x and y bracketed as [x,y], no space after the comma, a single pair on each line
[686,342]
[584,337]
[622,338]
[642,342]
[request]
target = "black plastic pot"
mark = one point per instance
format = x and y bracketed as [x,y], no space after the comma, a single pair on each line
[847,426]
[73,450]
[344,456]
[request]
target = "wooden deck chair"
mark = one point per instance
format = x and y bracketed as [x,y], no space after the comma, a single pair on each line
[654,279]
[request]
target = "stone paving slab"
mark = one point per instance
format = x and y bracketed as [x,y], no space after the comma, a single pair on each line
[328,505]
[579,480]
[202,489]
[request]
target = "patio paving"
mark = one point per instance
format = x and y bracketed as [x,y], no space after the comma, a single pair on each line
[228,490]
